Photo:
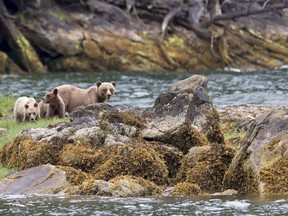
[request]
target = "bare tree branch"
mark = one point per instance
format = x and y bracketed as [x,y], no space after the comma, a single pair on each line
[249,13]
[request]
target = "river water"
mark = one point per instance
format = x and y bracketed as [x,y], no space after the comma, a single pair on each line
[141,90]
[75,205]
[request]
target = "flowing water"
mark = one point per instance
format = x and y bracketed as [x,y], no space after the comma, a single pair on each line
[93,205]
[141,90]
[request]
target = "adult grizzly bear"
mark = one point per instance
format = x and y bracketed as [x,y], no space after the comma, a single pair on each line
[74,96]
[26,109]
[52,105]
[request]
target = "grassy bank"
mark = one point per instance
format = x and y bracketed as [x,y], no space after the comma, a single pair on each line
[13,127]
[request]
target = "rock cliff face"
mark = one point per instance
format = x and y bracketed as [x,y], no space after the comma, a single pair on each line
[175,147]
[98,35]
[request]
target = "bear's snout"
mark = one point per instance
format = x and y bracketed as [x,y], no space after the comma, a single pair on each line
[32,116]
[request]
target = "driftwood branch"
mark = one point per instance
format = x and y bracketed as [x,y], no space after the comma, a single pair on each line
[235,15]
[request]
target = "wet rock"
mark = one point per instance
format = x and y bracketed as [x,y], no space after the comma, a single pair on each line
[228,192]
[122,186]
[185,116]
[263,153]
[46,179]
[236,121]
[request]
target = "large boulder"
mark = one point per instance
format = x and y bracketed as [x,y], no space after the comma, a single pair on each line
[185,116]
[46,179]
[260,165]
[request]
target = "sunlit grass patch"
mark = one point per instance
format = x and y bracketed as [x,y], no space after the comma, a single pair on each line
[6,106]
[4,171]
[14,127]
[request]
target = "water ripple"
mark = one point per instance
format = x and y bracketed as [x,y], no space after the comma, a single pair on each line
[141,89]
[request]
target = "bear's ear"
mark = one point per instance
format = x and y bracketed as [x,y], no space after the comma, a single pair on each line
[36,105]
[98,83]
[55,91]
[113,83]
[26,106]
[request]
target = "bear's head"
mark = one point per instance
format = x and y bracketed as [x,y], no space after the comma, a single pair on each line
[51,96]
[105,90]
[31,111]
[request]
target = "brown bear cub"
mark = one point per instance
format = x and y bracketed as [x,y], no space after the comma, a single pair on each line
[52,105]
[26,109]
[74,96]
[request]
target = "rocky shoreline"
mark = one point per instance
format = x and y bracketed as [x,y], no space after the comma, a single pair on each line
[180,146]
[97,35]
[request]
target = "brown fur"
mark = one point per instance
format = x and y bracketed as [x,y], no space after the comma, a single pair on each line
[26,109]
[74,96]
[52,105]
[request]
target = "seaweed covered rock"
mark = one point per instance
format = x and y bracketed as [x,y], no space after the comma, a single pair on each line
[185,116]
[83,157]
[172,157]
[135,159]
[260,165]
[186,188]
[236,121]
[206,166]
[46,179]
[121,186]
[24,152]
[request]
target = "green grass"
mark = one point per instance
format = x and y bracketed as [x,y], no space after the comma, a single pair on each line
[6,106]
[14,128]
[4,171]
